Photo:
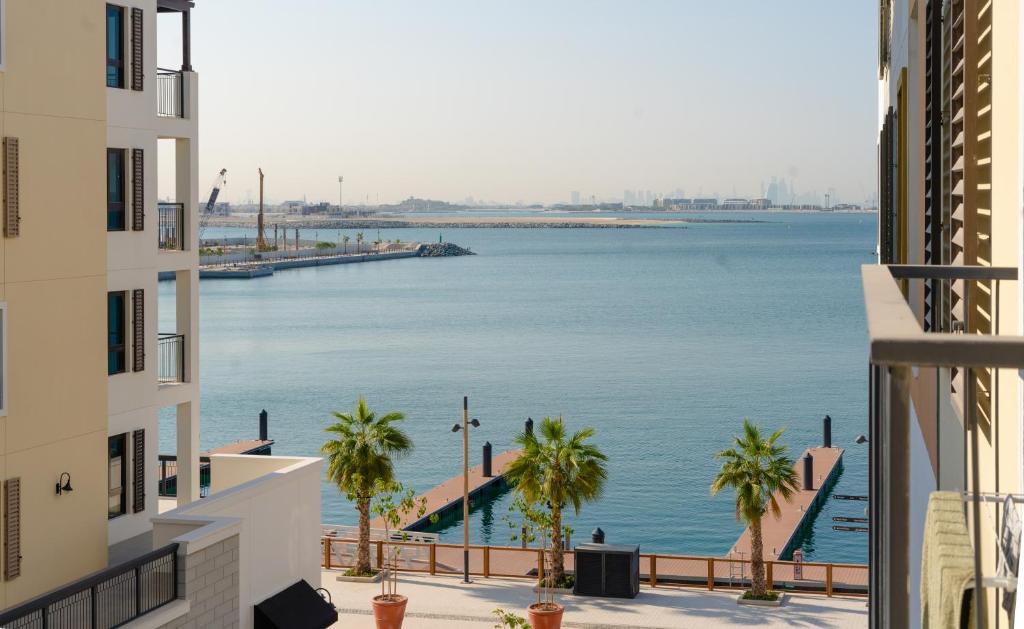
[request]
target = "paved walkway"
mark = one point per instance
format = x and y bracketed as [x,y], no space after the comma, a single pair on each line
[436,602]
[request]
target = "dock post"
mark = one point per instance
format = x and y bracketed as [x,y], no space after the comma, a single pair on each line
[529,426]
[711,573]
[828,580]
[654,571]
[263,425]
[327,553]
[487,460]
[433,559]
[487,561]
[808,472]
[826,430]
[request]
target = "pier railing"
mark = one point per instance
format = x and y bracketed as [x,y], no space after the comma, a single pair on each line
[109,598]
[170,94]
[656,570]
[171,358]
[171,226]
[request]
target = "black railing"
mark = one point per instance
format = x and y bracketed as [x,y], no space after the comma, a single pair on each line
[171,358]
[171,226]
[167,481]
[170,95]
[106,599]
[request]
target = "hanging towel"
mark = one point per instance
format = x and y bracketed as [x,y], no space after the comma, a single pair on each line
[1009,541]
[947,563]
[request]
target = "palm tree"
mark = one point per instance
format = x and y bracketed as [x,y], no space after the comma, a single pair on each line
[760,472]
[344,240]
[360,455]
[359,242]
[558,470]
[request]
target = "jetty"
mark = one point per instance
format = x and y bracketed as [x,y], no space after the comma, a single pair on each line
[239,261]
[446,498]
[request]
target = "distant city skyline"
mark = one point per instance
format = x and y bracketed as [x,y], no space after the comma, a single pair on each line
[449,100]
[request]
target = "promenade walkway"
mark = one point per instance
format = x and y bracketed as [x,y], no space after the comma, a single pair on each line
[436,602]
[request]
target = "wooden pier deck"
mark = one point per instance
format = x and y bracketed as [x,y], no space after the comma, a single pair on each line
[780,535]
[447,496]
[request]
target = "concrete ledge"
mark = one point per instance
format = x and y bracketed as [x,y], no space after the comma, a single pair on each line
[161,615]
[756,603]
[374,579]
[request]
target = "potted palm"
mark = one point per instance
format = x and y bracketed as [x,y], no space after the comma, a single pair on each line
[392,503]
[556,470]
[360,457]
[759,471]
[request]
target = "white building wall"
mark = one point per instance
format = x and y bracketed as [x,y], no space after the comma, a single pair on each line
[134,260]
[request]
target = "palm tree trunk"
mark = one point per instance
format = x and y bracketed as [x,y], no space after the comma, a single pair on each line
[363,554]
[557,554]
[757,578]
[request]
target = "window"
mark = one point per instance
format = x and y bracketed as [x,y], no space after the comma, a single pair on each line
[116,332]
[115,190]
[117,465]
[115,46]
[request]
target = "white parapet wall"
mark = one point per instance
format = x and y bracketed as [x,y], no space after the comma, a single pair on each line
[275,503]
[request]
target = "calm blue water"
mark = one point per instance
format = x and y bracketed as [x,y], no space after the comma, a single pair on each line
[662,339]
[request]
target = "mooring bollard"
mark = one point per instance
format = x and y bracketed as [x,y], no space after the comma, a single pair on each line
[808,471]
[826,430]
[487,460]
[529,425]
[597,536]
[263,425]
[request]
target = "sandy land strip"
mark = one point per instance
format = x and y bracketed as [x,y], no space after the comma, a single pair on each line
[496,222]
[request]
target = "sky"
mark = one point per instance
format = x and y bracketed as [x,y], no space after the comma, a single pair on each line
[527,101]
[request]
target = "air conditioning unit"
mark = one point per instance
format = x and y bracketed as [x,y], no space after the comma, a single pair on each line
[607,570]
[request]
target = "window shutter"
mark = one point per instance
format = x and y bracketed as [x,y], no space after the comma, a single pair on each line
[12,219]
[138,190]
[137,49]
[138,329]
[139,471]
[12,528]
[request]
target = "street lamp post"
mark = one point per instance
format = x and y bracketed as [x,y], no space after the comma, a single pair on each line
[466,423]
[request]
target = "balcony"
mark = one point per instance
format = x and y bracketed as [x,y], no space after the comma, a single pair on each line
[943,381]
[171,358]
[109,598]
[170,93]
[171,226]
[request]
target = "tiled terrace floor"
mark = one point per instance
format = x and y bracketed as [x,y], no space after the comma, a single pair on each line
[443,601]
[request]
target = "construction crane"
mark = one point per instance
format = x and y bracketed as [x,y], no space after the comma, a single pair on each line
[207,212]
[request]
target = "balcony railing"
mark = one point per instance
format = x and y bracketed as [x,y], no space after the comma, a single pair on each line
[171,226]
[167,477]
[171,358]
[109,598]
[898,346]
[170,94]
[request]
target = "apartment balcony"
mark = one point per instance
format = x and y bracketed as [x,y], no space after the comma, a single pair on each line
[171,226]
[170,93]
[171,358]
[109,598]
[934,426]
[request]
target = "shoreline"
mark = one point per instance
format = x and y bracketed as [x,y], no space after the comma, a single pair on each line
[485,222]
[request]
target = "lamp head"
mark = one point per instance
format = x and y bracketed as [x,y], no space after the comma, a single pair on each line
[64,485]
[861,440]
[475,423]
[456,428]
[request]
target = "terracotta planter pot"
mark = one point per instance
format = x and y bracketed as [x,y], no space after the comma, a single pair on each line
[389,614]
[541,618]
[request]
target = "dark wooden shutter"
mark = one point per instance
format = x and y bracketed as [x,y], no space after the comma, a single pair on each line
[12,219]
[139,471]
[137,49]
[138,329]
[138,190]
[12,528]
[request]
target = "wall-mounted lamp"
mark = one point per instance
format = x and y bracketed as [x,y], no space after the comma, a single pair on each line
[64,485]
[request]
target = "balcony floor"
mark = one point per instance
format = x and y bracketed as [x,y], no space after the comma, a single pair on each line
[443,601]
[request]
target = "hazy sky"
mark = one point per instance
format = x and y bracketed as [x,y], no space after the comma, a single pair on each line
[527,101]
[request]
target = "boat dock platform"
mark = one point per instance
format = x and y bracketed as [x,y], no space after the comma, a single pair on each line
[446,498]
[781,535]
